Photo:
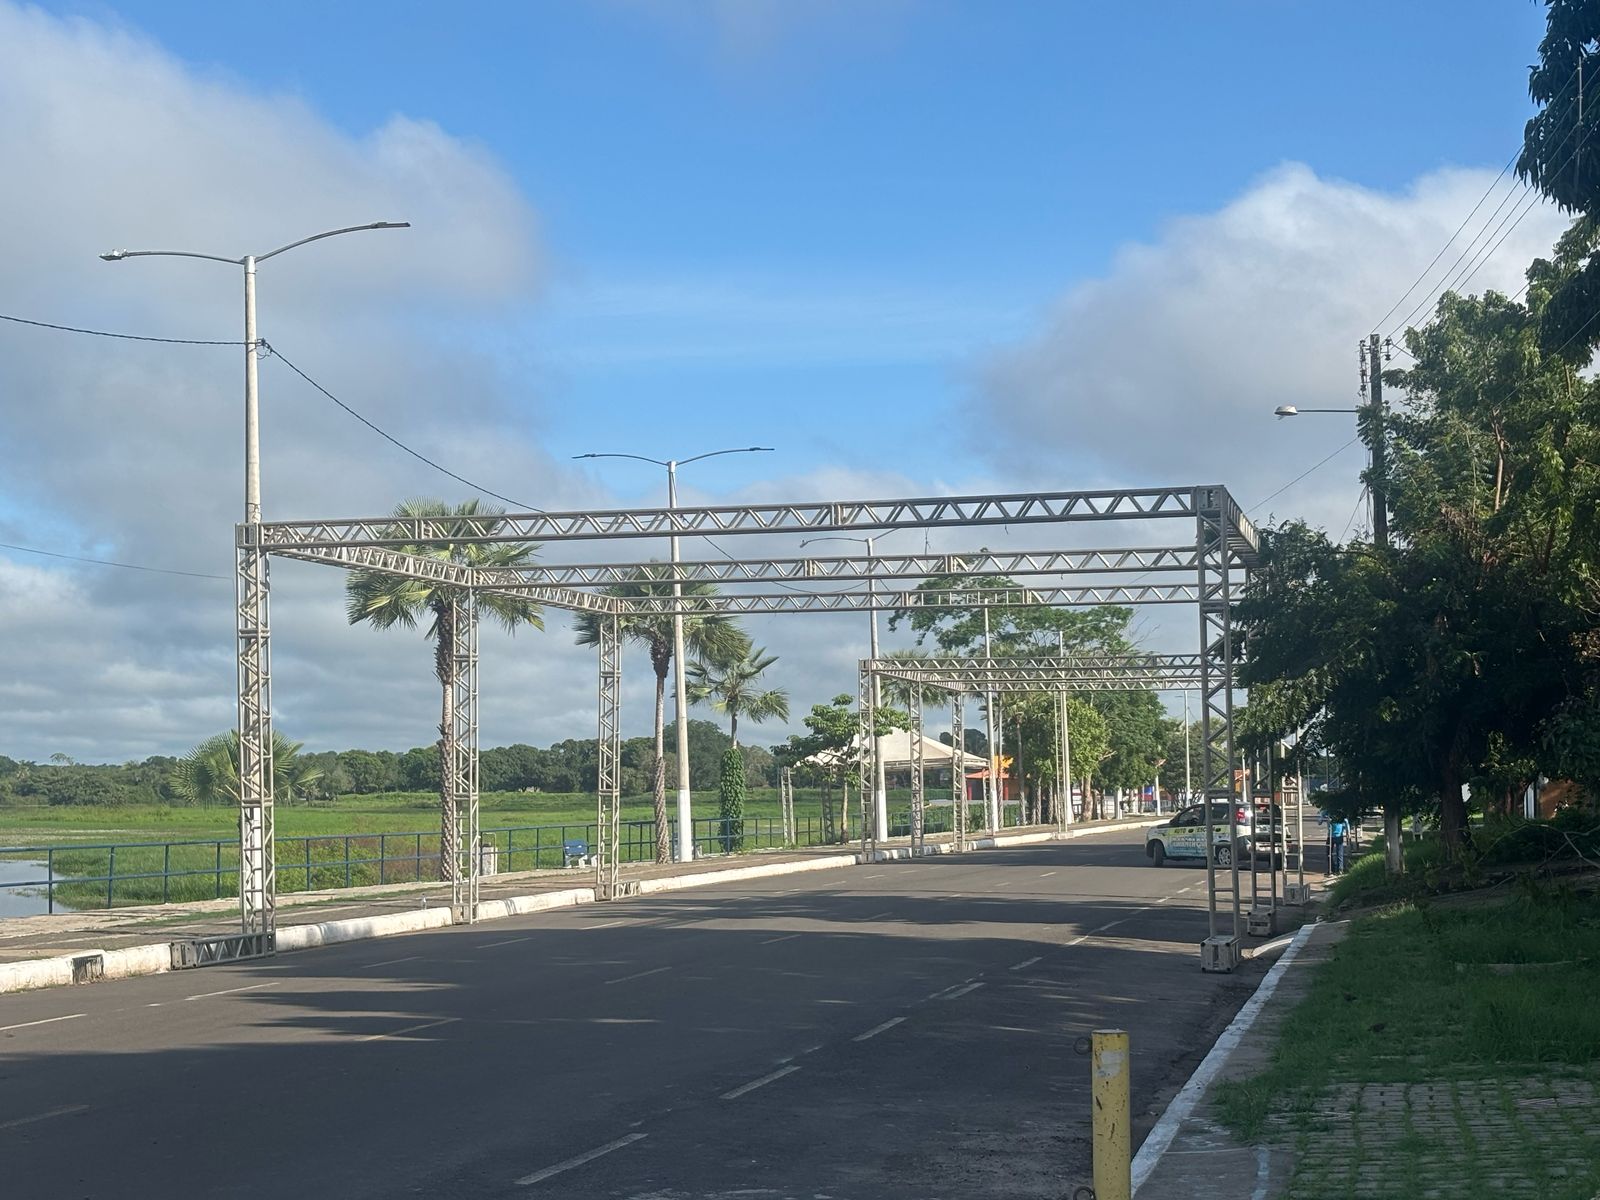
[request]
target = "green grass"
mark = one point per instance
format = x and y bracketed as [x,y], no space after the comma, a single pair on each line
[1409,996]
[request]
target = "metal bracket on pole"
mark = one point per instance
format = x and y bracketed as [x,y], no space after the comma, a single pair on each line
[466,850]
[258,884]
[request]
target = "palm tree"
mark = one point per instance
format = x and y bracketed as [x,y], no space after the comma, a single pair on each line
[707,636]
[384,601]
[730,685]
[209,774]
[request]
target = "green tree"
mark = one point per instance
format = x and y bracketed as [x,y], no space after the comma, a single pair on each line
[385,601]
[732,686]
[209,774]
[708,636]
[730,800]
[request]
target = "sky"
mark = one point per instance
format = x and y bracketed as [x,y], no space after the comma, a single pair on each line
[917,247]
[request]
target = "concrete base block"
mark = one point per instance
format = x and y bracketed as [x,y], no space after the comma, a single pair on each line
[1219,953]
[1297,893]
[1263,922]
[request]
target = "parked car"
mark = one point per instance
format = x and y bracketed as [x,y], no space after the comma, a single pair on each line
[1184,836]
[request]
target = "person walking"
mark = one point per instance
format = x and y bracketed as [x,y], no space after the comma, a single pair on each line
[1337,828]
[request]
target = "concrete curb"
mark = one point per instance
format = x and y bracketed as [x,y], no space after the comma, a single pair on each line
[89,966]
[1184,1103]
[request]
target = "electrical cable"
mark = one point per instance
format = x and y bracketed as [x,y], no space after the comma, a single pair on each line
[105,562]
[389,437]
[1324,462]
[126,337]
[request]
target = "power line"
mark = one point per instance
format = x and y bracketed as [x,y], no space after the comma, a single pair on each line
[389,437]
[1324,462]
[1360,499]
[105,562]
[126,337]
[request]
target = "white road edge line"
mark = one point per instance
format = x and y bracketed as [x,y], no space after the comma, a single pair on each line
[64,1111]
[540,1176]
[254,987]
[755,1083]
[45,1021]
[1155,1145]
[1027,962]
[638,975]
[877,1029]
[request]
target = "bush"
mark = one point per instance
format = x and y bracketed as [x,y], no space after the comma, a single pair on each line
[730,801]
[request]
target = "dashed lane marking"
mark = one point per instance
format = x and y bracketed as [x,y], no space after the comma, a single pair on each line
[1027,962]
[762,1082]
[254,987]
[388,962]
[638,975]
[64,1111]
[784,938]
[44,1021]
[579,1160]
[395,1033]
[877,1029]
[962,991]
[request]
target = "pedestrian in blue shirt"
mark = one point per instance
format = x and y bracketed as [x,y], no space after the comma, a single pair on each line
[1336,832]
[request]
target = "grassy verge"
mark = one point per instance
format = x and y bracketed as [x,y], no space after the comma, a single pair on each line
[1459,997]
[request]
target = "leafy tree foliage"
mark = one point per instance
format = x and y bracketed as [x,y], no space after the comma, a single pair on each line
[732,686]
[730,800]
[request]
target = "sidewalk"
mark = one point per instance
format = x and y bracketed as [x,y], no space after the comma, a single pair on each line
[307,919]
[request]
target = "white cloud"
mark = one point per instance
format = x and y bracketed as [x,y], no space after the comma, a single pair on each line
[1167,369]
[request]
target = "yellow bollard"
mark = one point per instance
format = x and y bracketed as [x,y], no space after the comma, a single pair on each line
[1113,1164]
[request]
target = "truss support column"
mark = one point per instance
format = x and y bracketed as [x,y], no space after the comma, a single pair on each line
[1220,951]
[919,815]
[608,787]
[257,864]
[786,804]
[867,760]
[467,850]
[958,771]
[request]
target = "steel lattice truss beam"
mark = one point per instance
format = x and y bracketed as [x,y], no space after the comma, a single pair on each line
[1071,672]
[932,512]
[851,567]
[464,852]
[737,603]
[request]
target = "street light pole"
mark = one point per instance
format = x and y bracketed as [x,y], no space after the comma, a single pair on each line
[252,344]
[880,791]
[680,688]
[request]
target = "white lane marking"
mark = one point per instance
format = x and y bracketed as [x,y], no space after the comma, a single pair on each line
[879,916]
[45,1021]
[388,962]
[1027,962]
[1047,875]
[540,1176]
[638,975]
[254,987]
[784,938]
[1156,1142]
[64,1111]
[394,1033]
[962,991]
[611,925]
[507,942]
[755,1083]
[877,875]
[877,1029]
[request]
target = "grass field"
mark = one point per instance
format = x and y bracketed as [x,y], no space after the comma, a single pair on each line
[115,856]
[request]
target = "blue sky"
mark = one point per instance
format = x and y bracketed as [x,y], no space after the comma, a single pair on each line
[754,210]
[918,247]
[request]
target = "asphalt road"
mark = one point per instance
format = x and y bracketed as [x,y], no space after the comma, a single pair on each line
[904,1030]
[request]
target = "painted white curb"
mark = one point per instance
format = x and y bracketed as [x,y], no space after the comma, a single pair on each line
[1144,1163]
[156,958]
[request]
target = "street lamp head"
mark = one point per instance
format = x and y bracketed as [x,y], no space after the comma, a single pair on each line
[1286,410]
[390,225]
[115,255]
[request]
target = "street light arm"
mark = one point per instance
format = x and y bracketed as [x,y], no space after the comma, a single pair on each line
[119,255]
[736,450]
[836,537]
[317,237]
[636,457]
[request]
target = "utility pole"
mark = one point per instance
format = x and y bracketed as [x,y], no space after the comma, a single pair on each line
[1374,431]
